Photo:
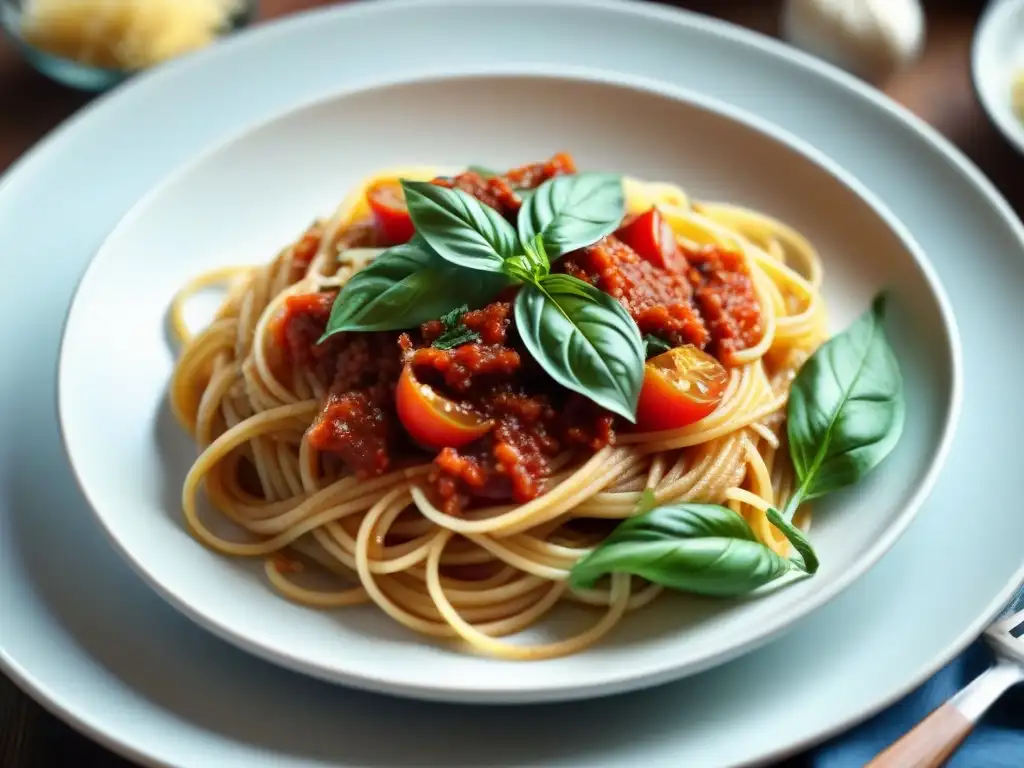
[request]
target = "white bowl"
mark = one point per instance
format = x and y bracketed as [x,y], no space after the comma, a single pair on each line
[243,200]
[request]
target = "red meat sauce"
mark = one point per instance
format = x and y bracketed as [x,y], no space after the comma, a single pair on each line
[499,192]
[711,305]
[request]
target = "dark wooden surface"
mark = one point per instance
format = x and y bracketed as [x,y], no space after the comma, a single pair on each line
[938,89]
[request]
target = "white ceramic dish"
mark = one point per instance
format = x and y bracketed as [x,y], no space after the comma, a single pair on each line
[184,228]
[997,55]
[97,647]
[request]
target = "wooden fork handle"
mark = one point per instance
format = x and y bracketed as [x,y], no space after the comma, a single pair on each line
[930,744]
[936,737]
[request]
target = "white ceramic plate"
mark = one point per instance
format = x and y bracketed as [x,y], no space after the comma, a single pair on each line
[227,208]
[997,55]
[90,641]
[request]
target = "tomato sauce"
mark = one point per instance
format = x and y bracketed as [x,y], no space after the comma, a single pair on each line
[710,304]
[500,192]
[299,325]
[494,191]
[535,174]
[724,291]
[499,381]
[356,425]
[658,300]
[306,249]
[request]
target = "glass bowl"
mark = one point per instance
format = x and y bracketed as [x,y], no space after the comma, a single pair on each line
[84,76]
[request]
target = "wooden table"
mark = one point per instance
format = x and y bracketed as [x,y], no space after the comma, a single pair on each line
[938,89]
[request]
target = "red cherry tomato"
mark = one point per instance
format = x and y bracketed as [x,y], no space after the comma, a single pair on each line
[681,386]
[432,420]
[653,239]
[387,201]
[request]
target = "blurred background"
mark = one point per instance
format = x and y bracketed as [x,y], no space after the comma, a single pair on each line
[929,71]
[57,55]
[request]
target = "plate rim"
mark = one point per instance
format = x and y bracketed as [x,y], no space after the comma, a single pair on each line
[945,151]
[616,679]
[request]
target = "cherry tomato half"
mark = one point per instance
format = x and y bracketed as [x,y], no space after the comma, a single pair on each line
[653,239]
[387,201]
[681,386]
[432,420]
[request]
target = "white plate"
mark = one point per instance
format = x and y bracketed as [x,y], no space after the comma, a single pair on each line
[997,55]
[97,647]
[185,227]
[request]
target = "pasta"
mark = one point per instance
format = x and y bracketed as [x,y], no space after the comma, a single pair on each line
[411,533]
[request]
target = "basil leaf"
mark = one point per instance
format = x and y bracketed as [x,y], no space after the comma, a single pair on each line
[655,345]
[846,408]
[405,286]
[455,333]
[706,549]
[532,264]
[455,338]
[459,227]
[584,339]
[452,320]
[573,211]
[797,538]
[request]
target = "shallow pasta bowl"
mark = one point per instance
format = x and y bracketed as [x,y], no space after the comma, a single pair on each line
[240,202]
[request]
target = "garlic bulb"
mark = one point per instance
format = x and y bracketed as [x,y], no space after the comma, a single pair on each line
[870,38]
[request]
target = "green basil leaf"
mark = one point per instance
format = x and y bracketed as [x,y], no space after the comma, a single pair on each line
[573,211]
[537,256]
[405,286]
[705,549]
[460,228]
[531,265]
[455,333]
[797,538]
[584,339]
[452,320]
[846,407]
[655,345]
[455,338]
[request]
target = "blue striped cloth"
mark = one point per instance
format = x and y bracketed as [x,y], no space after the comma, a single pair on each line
[997,742]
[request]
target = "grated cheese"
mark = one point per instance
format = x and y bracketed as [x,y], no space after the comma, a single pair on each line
[123,34]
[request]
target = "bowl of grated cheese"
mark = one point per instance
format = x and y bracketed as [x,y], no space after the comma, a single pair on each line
[94,44]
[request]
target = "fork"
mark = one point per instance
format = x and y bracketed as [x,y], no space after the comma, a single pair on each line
[934,740]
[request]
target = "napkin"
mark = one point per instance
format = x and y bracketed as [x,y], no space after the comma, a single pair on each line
[997,741]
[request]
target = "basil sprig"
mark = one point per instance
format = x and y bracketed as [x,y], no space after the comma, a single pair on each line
[571,212]
[846,409]
[584,339]
[405,286]
[455,332]
[460,228]
[705,549]
[845,415]
[579,335]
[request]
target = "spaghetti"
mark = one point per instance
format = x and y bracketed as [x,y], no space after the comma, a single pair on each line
[411,532]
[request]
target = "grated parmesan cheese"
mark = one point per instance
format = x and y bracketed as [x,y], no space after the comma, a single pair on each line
[1017,95]
[123,34]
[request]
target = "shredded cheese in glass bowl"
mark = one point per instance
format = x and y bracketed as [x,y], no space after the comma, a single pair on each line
[1017,94]
[95,43]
